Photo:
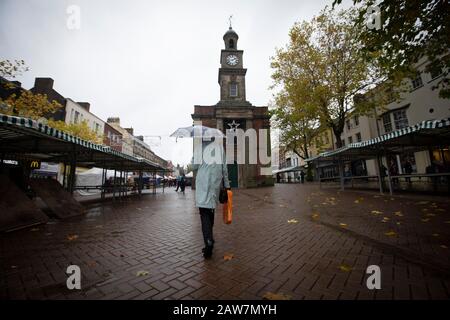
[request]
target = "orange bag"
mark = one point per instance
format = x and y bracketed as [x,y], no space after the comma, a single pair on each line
[228,208]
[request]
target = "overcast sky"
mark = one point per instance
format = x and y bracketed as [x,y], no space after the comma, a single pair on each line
[147,62]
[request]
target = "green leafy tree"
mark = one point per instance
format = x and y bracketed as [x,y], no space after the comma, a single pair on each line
[297,125]
[409,31]
[323,64]
[12,68]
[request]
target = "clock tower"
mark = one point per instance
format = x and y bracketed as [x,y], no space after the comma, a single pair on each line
[232,72]
[232,112]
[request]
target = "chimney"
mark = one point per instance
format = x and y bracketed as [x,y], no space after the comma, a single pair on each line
[130,130]
[140,138]
[114,120]
[43,84]
[85,105]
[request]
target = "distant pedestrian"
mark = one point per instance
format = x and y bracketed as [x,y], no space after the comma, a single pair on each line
[302,176]
[182,182]
[178,182]
[209,179]
[407,167]
[393,172]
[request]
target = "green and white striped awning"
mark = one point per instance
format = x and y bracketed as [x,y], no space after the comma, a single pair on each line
[419,136]
[13,128]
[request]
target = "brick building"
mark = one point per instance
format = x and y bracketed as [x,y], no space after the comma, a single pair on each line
[234,111]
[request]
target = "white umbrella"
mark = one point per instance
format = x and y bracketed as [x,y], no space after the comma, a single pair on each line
[197,131]
[190,175]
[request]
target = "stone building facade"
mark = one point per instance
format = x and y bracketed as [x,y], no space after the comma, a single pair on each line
[234,111]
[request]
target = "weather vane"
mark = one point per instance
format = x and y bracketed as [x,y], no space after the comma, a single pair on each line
[229,19]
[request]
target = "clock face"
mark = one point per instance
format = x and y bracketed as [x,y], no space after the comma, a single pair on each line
[232,60]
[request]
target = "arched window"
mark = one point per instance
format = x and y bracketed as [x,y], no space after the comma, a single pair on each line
[231,44]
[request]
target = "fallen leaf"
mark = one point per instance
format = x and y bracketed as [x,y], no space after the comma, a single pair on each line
[385,219]
[399,223]
[443,246]
[282,206]
[391,233]
[72,237]
[276,296]
[34,229]
[345,268]
[448,221]
[292,221]
[430,215]
[435,234]
[142,273]
[441,210]
[13,267]
[422,202]
[228,256]
[315,216]
[343,224]
[425,220]
[356,201]
[376,212]
[49,234]
[398,213]
[91,264]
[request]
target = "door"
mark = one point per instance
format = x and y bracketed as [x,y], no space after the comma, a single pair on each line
[233,174]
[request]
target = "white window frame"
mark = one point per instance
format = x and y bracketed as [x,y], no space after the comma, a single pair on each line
[402,122]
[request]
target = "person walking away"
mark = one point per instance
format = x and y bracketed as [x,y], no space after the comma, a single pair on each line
[209,179]
[182,182]
[178,183]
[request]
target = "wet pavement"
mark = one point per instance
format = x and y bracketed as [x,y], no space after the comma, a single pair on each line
[293,240]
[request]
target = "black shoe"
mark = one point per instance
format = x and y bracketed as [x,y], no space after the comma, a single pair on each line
[207,251]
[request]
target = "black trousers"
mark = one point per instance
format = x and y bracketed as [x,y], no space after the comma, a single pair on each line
[207,218]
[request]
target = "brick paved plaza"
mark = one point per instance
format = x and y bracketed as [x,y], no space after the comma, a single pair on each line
[150,248]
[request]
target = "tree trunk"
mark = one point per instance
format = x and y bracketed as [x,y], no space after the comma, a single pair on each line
[337,135]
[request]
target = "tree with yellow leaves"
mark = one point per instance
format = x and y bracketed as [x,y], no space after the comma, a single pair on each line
[29,105]
[80,130]
[24,103]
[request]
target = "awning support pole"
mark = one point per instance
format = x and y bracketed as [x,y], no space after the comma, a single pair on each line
[73,166]
[102,196]
[64,175]
[114,184]
[388,173]
[164,182]
[380,181]
[140,182]
[341,173]
[318,173]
